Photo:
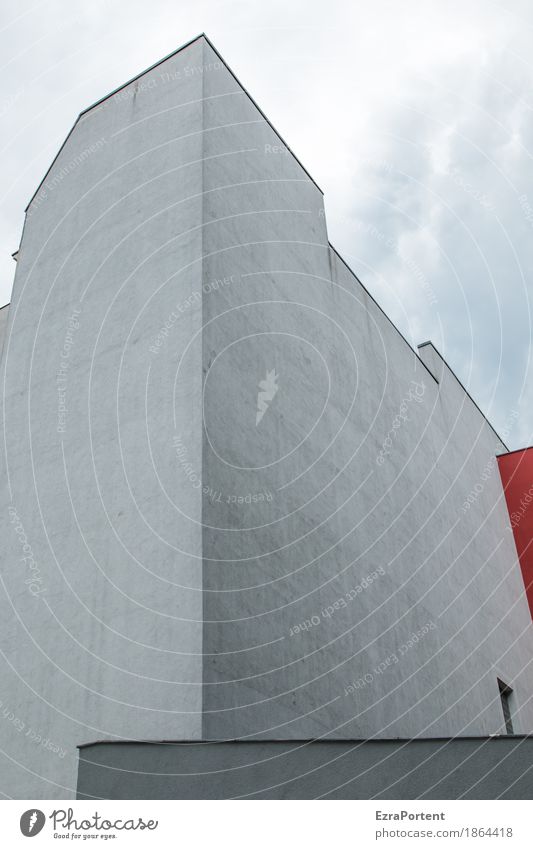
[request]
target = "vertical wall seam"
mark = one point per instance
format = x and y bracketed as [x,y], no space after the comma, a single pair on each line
[202,210]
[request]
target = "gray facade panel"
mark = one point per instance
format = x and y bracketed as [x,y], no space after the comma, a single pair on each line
[386,769]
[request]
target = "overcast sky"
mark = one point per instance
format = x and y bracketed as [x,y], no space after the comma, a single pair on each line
[415,118]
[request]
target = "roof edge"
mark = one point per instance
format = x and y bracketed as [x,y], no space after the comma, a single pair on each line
[54,160]
[380,308]
[465,390]
[270,124]
[142,73]
[146,71]
[305,740]
[516,451]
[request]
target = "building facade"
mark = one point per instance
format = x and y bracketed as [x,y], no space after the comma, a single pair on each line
[238,506]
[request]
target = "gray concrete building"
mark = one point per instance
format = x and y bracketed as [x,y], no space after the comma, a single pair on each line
[237,505]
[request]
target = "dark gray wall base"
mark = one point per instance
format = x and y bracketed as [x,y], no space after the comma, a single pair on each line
[470,768]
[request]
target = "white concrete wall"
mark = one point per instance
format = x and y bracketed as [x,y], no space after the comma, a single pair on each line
[111,644]
[181,252]
[338,514]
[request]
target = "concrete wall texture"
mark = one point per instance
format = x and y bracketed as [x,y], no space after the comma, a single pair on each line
[236,503]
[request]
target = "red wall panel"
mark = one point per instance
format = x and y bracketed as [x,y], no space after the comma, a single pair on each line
[516,470]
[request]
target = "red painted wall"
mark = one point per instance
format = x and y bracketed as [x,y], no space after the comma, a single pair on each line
[516,470]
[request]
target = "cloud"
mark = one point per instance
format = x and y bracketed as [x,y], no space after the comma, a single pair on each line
[440,226]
